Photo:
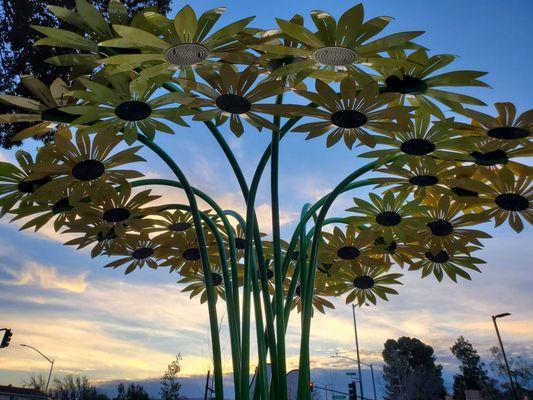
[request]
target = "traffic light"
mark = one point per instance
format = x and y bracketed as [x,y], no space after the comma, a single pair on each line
[6,339]
[311,386]
[352,391]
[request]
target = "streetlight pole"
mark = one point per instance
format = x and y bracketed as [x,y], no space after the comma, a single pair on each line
[49,360]
[357,351]
[362,363]
[494,317]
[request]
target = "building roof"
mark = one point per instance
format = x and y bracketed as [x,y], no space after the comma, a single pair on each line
[19,391]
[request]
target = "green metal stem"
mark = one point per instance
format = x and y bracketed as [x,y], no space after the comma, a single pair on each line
[211,300]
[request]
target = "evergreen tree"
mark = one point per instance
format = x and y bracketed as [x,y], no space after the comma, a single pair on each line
[410,371]
[473,374]
[19,57]
[170,387]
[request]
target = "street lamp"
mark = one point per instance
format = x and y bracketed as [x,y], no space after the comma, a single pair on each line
[357,351]
[494,317]
[368,365]
[50,361]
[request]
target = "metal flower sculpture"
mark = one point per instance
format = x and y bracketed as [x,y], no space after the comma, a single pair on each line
[434,172]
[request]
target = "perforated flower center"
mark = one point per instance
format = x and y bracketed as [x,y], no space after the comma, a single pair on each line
[133,110]
[88,170]
[423,180]
[29,186]
[440,227]
[62,206]
[388,218]
[185,54]
[512,202]
[233,104]
[462,192]
[216,278]
[440,258]
[496,157]
[142,253]
[179,226]
[406,85]
[417,147]
[192,254]
[240,243]
[348,253]
[508,133]
[348,119]
[118,214]
[335,56]
[363,282]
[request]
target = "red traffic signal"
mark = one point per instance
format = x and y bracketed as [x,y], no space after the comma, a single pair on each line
[311,386]
[6,339]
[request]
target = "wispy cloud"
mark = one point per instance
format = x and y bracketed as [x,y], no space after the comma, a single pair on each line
[46,277]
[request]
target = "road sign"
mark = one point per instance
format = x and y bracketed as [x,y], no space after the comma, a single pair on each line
[339,397]
[351,373]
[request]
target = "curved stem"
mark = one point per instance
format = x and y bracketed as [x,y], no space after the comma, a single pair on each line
[211,300]
[303,378]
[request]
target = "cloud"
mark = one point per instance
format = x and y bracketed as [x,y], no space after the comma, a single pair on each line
[33,273]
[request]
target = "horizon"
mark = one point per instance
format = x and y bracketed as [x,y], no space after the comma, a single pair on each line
[107,326]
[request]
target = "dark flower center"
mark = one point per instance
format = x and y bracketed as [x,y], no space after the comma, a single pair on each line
[440,258]
[179,227]
[388,218]
[348,119]
[133,110]
[30,185]
[233,104]
[424,180]
[270,274]
[348,253]
[116,214]
[142,253]
[192,254]
[496,157]
[62,206]
[508,133]
[440,227]
[101,236]
[363,282]
[88,170]
[216,278]
[512,202]
[406,85]
[240,243]
[417,147]
[461,192]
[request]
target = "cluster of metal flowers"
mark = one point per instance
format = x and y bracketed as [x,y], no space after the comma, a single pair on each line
[438,173]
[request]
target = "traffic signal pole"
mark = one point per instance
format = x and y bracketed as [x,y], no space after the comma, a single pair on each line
[7,337]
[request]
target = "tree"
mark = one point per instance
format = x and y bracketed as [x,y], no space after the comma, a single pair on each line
[410,371]
[521,371]
[473,373]
[170,387]
[136,392]
[75,388]
[18,56]
[37,382]
[121,392]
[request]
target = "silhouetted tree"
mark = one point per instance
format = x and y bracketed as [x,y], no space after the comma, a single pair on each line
[521,371]
[37,382]
[473,374]
[170,387]
[410,371]
[19,57]
[136,392]
[75,388]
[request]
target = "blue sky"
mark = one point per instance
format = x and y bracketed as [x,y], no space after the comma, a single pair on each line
[108,326]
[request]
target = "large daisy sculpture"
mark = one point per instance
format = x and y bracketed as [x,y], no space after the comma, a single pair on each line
[431,171]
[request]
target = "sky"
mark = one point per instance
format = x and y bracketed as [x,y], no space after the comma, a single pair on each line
[111,327]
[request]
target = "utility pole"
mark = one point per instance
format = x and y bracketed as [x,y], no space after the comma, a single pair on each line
[494,317]
[207,385]
[357,351]
[373,381]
